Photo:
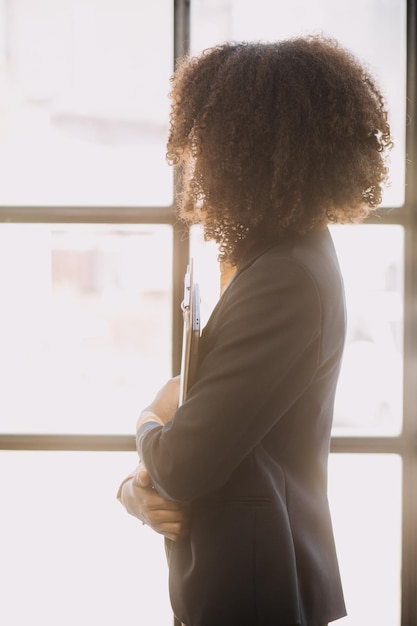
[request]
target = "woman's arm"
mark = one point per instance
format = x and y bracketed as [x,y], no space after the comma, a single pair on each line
[136,492]
[259,353]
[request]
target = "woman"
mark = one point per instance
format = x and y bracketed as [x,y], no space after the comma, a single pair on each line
[274,142]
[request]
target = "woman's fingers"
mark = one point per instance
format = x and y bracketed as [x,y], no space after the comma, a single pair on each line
[166,517]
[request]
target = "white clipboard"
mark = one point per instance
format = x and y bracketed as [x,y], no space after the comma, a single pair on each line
[191,332]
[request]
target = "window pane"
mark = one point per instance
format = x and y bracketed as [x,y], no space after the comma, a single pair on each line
[70,554]
[84,106]
[85,333]
[374,30]
[370,389]
[365,498]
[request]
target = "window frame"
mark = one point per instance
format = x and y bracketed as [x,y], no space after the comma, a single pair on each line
[405,444]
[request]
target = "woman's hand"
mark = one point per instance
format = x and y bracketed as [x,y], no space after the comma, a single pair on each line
[136,493]
[164,404]
[166,517]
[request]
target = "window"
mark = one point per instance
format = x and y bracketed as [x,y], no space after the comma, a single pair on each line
[91,263]
[86,326]
[85,113]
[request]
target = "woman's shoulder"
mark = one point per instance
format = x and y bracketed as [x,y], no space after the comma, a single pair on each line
[311,253]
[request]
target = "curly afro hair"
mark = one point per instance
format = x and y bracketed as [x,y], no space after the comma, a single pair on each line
[275,139]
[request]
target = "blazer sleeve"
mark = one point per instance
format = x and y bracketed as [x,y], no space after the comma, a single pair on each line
[260,352]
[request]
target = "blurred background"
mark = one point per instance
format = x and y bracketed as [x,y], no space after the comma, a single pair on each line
[91,263]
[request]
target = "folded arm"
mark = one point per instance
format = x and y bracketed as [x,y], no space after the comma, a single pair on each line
[140,499]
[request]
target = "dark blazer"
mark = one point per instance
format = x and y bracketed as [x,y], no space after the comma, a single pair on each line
[249,447]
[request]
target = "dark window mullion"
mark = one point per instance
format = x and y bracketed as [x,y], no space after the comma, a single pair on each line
[409,522]
[51,442]
[88,214]
[181,249]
